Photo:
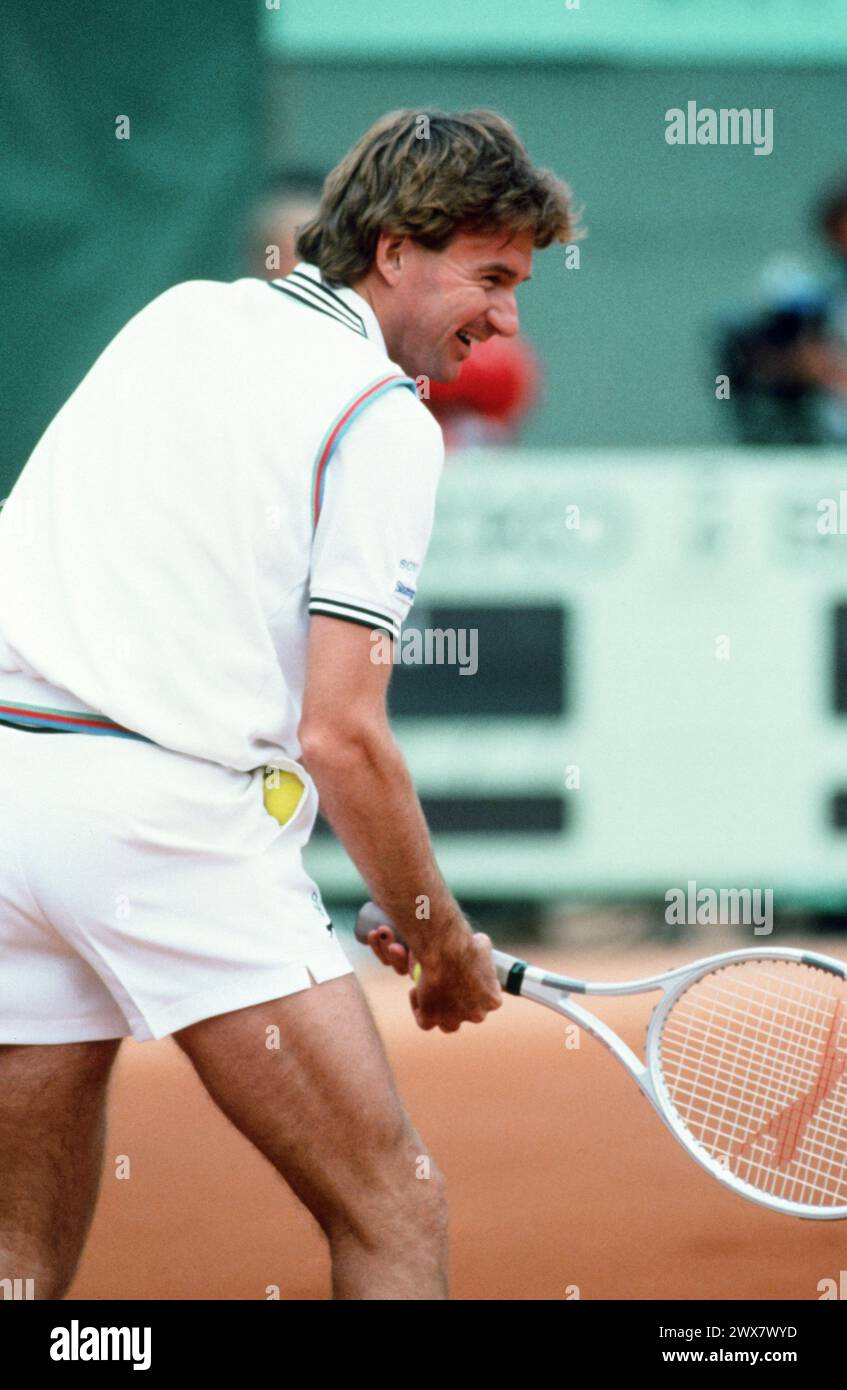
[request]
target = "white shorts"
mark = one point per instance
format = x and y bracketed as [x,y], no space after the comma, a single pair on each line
[142,890]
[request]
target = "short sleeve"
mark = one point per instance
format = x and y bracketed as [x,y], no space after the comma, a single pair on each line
[377,514]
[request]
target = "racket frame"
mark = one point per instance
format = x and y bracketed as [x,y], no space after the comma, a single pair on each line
[555,992]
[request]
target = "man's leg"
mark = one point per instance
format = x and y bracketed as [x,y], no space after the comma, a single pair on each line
[323,1107]
[52,1128]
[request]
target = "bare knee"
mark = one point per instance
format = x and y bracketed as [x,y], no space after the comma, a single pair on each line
[395,1195]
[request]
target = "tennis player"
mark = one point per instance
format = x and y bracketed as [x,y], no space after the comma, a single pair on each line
[193,565]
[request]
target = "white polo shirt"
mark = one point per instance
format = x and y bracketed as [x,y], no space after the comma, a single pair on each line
[239,456]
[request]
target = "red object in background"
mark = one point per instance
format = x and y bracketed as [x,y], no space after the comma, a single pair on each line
[499,381]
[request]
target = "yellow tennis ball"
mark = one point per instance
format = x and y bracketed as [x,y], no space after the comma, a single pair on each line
[416,973]
[283,792]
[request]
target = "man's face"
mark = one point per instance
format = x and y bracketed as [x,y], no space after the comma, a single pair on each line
[442,301]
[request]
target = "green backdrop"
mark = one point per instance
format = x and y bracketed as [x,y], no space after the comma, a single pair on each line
[624,30]
[92,227]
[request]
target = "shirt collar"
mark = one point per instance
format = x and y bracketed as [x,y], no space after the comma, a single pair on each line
[353,300]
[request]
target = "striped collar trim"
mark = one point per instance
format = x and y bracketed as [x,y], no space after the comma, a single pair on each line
[342,304]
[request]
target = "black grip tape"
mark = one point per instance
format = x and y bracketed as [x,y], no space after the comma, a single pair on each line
[514,980]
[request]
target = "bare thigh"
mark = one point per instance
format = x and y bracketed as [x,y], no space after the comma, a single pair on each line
[52,1128]
[306,1079]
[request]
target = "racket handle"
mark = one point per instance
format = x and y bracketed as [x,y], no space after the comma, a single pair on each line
[370,917]
[510,969]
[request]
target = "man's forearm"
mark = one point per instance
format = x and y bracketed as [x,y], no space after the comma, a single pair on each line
[368,797]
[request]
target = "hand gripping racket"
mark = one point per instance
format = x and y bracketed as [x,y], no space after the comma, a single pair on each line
[745,1062]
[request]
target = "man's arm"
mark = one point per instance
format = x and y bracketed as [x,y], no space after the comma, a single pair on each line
[365,787]
[367,795]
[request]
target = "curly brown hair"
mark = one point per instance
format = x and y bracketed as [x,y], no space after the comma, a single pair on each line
[428,175]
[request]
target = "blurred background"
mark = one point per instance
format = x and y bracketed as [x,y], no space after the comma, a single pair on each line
[641,546]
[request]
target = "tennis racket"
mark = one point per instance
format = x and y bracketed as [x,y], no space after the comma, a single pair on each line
[745,1062]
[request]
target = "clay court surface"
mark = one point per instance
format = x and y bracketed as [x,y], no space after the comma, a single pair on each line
[559,1172]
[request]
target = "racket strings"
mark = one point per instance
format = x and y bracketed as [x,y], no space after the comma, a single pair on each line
[754,1060]
[759,1033]
[785,1122]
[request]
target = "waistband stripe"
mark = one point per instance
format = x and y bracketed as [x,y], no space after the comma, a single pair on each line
[69,721]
